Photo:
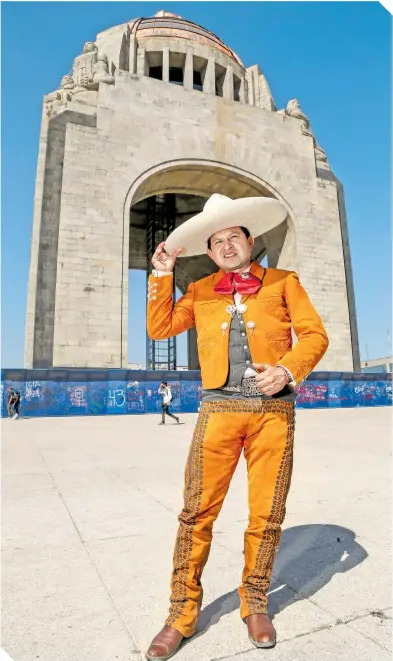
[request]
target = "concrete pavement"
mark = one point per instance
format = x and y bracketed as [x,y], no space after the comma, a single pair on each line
[89,519]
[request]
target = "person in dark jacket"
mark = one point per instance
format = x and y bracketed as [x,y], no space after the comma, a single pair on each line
[16,404]
[13,403]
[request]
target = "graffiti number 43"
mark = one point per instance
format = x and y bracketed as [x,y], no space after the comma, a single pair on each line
[117,397]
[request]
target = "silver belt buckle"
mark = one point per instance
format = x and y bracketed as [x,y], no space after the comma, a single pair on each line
[248,388]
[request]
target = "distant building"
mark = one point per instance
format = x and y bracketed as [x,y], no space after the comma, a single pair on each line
[382,365]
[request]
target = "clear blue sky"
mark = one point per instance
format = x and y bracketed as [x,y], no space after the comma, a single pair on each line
[333,57]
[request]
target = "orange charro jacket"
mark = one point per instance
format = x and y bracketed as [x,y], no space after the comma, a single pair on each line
[280,304]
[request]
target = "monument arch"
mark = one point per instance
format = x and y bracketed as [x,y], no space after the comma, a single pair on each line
[160,107]
[189,182]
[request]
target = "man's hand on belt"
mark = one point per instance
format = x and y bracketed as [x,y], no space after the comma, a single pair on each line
[270,380]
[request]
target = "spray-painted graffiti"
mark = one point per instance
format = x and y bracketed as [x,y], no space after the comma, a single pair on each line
[32,390]
[116,397]
[78,395]
[309,393]
[62,396]
[135,397]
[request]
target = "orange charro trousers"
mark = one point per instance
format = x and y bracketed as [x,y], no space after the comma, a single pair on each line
[264,429]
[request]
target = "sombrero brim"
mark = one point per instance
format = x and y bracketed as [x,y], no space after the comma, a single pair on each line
[257,214]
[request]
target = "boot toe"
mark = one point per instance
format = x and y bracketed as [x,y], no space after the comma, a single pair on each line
[261,631]
[164,645]
[157,652]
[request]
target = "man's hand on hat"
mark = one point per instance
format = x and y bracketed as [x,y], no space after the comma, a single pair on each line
[162,261]
[269,379]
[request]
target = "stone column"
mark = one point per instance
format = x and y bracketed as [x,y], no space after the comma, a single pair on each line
[165,64]
[243,94]
[228,91]
[141,62]
[250,76]
[189,71]
[209,83]
[259,93]
[349,278]
[44,281]
[193,360]
[266,100]
[35,250]
[133,54]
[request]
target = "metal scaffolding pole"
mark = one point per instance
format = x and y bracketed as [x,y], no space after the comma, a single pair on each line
[160,222]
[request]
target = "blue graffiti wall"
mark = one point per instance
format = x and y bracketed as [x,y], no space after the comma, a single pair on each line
[61,392]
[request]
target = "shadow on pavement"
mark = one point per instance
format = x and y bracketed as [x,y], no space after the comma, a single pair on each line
[308,557]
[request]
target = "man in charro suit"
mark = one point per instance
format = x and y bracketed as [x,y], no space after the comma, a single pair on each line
[243,316]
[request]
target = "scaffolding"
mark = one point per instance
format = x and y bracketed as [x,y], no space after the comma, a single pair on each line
[160,222]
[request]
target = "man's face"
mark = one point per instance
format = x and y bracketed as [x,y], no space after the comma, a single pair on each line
[230,249]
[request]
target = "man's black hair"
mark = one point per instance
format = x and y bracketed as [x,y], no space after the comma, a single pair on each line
[164,383]
[243,229]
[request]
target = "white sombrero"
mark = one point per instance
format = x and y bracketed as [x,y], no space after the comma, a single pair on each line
[257,214]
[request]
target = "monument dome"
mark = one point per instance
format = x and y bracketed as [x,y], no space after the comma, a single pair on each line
[173,49]
[166,24]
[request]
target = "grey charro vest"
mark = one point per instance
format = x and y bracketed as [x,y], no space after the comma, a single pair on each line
[239,359]
[239,351]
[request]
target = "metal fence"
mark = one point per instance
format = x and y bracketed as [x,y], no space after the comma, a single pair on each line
[61,392]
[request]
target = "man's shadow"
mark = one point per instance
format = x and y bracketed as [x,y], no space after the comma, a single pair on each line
[308,557]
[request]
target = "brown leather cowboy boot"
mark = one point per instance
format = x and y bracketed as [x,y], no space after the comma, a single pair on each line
[261,631]
[164,645]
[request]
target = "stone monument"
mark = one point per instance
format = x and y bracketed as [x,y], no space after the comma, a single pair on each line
[161,109]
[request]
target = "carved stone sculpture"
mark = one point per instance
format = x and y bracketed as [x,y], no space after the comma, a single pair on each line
[66,86]
[89,47]
[90,69]
[320,154]
[101,70]
[60,96]
[294,110]
[83,69]
[51,101]
[83,85]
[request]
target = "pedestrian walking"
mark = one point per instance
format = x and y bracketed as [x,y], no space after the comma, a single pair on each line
[10,402]
[166,394]
[16,404]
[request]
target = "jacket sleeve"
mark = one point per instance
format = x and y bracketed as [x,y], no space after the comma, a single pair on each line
[312,338]
[165,319]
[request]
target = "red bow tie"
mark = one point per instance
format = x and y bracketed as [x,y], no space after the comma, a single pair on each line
[243,283]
